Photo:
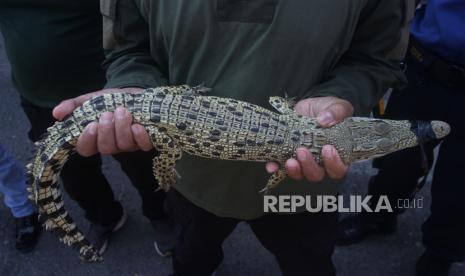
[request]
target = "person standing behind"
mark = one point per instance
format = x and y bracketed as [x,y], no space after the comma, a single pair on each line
[55,50]
[332,56]
[13,188]
[435,68]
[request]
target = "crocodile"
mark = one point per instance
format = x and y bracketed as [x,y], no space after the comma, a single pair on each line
[182,119]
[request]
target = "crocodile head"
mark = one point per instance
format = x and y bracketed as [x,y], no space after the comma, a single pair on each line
[373,138]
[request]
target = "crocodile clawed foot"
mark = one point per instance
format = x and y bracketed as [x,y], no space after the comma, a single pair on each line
[199,90]
[177,173]
[265,191]
[275,179]
[165,180]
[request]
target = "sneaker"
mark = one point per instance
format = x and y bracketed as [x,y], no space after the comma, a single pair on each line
[99,235]
[354,229]
[27,232]
[166,236]
[431,265]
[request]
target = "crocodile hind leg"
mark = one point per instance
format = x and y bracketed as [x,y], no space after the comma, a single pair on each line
[198,90]
[275,179]
[284,106]
[167,155]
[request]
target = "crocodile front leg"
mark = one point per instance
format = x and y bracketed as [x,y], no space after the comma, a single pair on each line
[167,155]
[284,106]
[274,180]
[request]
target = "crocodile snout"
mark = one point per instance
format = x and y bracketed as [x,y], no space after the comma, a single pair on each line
[441,129]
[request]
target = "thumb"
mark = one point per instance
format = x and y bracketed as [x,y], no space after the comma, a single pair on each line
[334,113]
[67,106]
[64,108]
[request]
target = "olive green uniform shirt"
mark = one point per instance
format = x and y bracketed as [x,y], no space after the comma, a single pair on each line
[251,50]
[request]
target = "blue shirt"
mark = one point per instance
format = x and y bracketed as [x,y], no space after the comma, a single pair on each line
[440,27]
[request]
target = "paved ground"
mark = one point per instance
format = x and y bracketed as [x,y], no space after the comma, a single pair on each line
[131,251]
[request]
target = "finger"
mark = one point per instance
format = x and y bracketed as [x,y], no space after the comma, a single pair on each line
[310,169]
[272,167]
[304,108]
[68,106]
[293,169]
[78,101]
[334,113]
[325,119]
[123,132]
[335,168]
[106,143]
[63,109]
[87,142]
[141,137]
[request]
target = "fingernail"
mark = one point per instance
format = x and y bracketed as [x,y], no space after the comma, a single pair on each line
[136,129]
[120,113]
[302,155]
[332,151]
[92,128]
[325,118]
[269,168]
[326,151]
[106,118]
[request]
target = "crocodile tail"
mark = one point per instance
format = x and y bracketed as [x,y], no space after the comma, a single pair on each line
[52,152]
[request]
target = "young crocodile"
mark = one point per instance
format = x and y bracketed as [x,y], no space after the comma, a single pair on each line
[179,119]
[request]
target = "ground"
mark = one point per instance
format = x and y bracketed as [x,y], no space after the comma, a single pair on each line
[131,251]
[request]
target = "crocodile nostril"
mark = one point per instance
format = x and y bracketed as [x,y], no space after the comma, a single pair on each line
[385,144]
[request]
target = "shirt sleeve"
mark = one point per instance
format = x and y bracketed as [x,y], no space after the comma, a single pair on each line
[366,70]
[128,59]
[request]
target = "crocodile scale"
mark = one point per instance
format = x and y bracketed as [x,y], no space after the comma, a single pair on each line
[180,119]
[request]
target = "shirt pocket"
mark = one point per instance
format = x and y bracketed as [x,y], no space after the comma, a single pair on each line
[249,11]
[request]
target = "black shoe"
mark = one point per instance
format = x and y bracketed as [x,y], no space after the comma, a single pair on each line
[432,265]
[354,229]
[27,232]
[166,236]
[99,235]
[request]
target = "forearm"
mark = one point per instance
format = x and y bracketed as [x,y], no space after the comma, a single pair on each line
[129,62]
[134,70]
[360,84]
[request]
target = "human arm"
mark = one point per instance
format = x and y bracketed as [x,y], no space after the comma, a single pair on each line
[130,68]
[355,84]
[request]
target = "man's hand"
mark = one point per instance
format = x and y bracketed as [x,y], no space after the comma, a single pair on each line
[328,111]
[114,132]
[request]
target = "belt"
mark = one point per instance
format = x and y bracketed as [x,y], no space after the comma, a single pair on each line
[445,72]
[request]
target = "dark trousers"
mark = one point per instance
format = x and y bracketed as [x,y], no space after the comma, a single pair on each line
[302,243]
[428,99]
[84,181]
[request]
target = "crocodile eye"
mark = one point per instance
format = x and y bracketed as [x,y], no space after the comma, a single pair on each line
[382,128]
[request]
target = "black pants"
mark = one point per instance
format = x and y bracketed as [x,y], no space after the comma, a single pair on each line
[302,243]
[83,179]
[428,99]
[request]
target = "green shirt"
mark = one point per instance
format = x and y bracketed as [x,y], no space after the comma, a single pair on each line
[54,47]
[251,50]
